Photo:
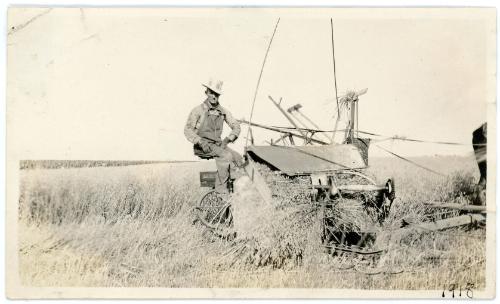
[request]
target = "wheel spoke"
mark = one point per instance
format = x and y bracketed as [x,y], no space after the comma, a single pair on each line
[213,211]
[332,233]
[219,214]
[362,239]
[221,217]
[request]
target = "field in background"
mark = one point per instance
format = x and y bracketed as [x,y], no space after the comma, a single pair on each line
[65,164]
[133,226]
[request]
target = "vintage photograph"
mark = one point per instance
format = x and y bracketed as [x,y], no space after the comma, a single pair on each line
[251,152]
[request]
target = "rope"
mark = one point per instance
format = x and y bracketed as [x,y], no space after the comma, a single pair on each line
[258,81]
[410,161]
[385,137]
[432,142]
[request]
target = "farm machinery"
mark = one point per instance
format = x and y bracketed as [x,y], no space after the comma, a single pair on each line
[307,166]
[333,178]
[329,176]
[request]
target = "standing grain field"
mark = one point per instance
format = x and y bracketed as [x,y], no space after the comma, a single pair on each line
[134,226]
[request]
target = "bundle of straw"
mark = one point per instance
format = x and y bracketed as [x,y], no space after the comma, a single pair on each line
[279,234]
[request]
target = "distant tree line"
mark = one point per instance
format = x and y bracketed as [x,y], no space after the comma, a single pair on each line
[59,164]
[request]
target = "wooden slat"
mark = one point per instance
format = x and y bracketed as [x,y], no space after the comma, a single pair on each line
[449,223]
[288,117]
[278,130]
[470,208]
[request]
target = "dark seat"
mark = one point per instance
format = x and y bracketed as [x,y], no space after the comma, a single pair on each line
[207,178]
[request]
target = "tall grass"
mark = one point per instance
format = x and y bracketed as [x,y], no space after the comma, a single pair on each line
[133,226]
[146,193]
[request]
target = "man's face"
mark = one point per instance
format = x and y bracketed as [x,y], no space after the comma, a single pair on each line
[213,97]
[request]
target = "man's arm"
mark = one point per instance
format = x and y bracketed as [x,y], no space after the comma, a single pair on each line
[234,125]
[190,127]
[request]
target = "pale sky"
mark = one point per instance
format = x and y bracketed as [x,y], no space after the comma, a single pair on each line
[119,83]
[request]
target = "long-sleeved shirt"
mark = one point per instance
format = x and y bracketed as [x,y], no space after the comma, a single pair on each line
[196,121]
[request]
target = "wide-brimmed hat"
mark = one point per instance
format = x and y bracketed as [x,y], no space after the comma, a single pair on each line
[214,85]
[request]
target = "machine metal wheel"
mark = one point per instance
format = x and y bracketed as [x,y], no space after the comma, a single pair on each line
[214,212]
[343,236]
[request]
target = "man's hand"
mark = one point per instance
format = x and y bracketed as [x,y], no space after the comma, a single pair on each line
[225,141]
[205,146]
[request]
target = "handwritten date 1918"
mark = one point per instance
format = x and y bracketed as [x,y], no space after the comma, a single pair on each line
[455,290]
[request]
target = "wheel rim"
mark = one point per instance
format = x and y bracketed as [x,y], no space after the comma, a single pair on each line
[214,212]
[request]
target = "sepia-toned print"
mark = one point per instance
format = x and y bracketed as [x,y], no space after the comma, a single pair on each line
[251,153]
